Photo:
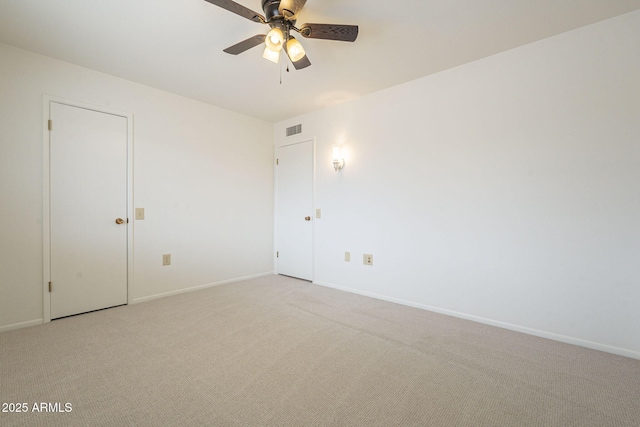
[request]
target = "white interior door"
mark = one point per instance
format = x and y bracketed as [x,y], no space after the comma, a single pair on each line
[295,210]
[88,193]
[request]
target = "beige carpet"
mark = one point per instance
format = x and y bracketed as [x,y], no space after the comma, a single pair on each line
[282,352]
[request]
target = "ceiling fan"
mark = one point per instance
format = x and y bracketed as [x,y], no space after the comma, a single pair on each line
[281,16]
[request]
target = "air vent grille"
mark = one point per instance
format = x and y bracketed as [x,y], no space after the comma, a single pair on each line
[294,130]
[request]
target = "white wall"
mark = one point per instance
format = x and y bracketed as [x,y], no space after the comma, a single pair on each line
[506,190]
[203,175]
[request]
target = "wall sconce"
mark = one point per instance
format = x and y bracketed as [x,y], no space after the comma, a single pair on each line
[338,161]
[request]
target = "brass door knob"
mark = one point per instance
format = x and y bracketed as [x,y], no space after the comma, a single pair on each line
[307,218]
[119,221]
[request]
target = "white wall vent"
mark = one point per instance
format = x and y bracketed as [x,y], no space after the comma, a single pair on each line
[294,130]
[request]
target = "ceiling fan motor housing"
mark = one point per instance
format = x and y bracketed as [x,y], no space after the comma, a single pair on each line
[271,9]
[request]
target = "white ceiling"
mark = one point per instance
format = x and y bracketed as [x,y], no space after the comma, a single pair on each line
[176,45]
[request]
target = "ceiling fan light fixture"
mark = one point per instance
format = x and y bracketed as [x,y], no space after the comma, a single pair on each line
[275,39]
[295,50]
[271,55]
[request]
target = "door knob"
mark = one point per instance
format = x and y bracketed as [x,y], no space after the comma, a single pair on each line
[307,218]
[119,221]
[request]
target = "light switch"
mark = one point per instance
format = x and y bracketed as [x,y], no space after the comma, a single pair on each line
[166,259]
[139,213]
[347,256]
[318,213]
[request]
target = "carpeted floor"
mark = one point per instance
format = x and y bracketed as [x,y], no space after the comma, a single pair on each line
[281,352]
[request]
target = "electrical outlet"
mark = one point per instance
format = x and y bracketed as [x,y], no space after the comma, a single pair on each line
[367,259]
[347,256]
[166,259]
[139,213]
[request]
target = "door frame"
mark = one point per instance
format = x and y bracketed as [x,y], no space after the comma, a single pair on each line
[46,194]
[313,202]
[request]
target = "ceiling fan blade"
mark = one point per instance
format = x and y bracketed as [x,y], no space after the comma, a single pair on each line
[299,64]
[238,9]
[303,63]
[345,33]
[245,44]
[291,8]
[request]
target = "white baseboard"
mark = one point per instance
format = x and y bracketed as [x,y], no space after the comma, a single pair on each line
[200,287]
[35,322]
[542,334]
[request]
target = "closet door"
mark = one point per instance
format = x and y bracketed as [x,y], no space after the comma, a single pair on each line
[88,210]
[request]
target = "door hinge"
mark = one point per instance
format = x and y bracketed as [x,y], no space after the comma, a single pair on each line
[277,254]
[49,286]
[277,162]
[127,220]
[50,124]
